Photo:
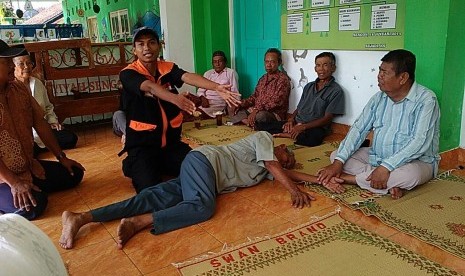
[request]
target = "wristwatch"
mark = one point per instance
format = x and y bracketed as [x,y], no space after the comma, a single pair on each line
[60,156]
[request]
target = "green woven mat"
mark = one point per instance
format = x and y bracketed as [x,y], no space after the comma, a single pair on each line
[328,246]
[433,212]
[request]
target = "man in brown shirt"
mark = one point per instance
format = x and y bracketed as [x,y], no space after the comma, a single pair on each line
[24,181]
[270,100]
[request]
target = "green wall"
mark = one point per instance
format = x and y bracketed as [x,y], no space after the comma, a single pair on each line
[210,31]
[136,9]
[434,32]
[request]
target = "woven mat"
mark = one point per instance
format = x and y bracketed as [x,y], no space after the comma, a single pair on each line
[433,212]
[328,246]
[211,134]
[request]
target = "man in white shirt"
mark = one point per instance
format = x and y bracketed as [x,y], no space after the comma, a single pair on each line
[222,75]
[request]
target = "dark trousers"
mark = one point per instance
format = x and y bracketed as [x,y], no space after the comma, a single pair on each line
[176,203]
[57,178]
[146,166]
[311,137]
[65,138]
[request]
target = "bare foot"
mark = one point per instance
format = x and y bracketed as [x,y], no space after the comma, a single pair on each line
[125,231]
[396,192]
[335,185]
[71,222]
[130,226]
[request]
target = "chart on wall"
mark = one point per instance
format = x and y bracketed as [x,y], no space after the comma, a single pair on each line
[342,24]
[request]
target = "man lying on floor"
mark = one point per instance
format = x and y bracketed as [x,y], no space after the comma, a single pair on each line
[191,198]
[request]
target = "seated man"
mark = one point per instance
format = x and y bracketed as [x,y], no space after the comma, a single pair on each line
[23,70]
[270,100]
[191,198]
[220,74]
[404,117]
[321,101]
[25,181]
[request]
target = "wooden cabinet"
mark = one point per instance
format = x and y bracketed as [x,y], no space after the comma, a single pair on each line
[81,78]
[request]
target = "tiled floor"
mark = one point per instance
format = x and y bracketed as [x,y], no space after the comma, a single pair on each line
[253,212]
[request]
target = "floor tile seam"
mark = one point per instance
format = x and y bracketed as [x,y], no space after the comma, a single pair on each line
[86,246]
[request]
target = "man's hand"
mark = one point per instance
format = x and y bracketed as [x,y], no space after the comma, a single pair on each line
[251,117]
[181,101]
[69,164]
[231,98]
[22,195]
[288,126]
[379,178]
[300,199]
[326,173]
[56,126]
[296,130]
[335,185]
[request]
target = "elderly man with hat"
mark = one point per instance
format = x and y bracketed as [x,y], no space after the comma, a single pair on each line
[25,181]
[153,110]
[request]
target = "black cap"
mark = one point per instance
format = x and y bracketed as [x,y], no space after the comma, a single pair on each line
[144,31]
[7,51]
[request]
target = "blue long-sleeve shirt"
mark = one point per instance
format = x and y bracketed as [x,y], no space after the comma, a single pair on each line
[402,131]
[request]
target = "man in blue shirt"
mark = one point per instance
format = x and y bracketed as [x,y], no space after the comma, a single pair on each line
[404,117]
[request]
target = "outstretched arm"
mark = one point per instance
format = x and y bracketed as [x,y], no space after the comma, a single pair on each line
[180,100]
[224,91]
[299,198]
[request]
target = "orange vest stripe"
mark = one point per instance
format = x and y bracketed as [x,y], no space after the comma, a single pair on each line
[177,121]
[164,68]
[139,126]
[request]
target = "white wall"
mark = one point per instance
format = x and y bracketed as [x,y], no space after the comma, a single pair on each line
[356,73]
[176,27]
[356,70]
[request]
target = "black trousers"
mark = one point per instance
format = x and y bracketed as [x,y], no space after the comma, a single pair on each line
[57,178]
[146,165]
[65,138]
[311,137]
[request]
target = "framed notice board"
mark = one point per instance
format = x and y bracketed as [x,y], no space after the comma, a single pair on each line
[342,24]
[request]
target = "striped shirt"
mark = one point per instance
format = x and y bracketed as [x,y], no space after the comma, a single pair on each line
[402,131]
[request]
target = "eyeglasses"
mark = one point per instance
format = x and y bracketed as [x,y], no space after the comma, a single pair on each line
[24,64]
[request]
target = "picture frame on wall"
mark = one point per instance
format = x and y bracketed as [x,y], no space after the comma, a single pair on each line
[40,34]
[52,33]
[10,35]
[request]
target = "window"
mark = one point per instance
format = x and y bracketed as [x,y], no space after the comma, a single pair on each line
[119,21]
